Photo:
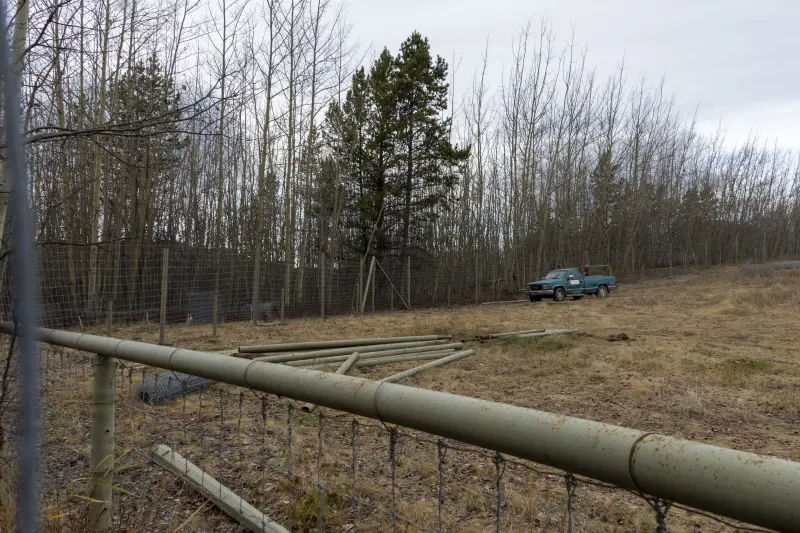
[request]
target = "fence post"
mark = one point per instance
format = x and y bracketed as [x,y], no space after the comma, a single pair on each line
[322,285]
[101,463]
[408,281]
[764,249]
[254,311]
[360,284]
[374,279]
[110,318]
[670,258]
[476,279]
[391,299]
[448,294]
[283,300]
[164,276]
[736,253]
[214,315]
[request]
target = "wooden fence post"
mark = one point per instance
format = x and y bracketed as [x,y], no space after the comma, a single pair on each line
[322,285]
[164,277]
[670,258]
[360,285]
[214,314]
[476,279]
[408,281]
[110,318]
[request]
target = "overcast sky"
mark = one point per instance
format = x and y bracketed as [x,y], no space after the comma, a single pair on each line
[739,60]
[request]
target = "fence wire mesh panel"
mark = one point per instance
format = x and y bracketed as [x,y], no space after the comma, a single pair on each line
[128,284]
[320,471]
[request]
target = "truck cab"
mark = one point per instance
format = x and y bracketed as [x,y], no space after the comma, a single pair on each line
[563,282]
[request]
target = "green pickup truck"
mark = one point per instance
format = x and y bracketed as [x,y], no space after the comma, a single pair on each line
[563,282]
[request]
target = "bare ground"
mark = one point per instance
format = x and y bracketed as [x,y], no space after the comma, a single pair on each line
[710,357]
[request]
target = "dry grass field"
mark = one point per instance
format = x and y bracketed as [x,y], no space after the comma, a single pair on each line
[711,356]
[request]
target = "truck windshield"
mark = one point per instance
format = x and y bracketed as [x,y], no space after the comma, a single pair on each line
[556,274]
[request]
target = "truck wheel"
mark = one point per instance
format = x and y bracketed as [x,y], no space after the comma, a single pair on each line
[602,291]
[559,294]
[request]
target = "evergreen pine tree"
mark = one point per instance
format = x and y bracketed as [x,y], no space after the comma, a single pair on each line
[423,135]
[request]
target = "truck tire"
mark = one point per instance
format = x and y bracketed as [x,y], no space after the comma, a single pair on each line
[602,291]
[559,294]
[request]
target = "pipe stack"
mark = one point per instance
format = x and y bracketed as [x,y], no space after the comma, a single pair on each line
[372,352]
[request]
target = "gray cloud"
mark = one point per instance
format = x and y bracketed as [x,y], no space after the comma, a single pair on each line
[737,59]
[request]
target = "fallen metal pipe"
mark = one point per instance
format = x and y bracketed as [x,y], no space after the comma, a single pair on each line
[346,351]
[378,361]
[371,355]
[502,302]
[293,346]
[223,497]
[514,333]
[758,489]
[433,364]
[546,333]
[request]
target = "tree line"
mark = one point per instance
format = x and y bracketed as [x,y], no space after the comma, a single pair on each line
[258,129]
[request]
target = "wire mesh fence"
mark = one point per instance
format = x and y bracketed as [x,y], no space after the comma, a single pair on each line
[129,284]
[320,471]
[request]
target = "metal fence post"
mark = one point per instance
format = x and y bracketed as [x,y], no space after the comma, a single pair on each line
[736,254]
[164,277]
[374,279]
[391,299]
[110,318]
[322,284]
[408,281]
[104,392]
[283,301]
[448,294]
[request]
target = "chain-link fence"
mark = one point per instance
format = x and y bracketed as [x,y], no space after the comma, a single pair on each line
[320,471]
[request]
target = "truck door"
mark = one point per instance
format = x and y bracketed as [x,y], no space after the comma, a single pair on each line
[574,282]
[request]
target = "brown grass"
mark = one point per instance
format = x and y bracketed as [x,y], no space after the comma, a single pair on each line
[712,357]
